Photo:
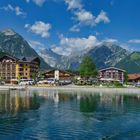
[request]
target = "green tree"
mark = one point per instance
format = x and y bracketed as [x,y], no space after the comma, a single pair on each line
[125,77]
[88,68]
[34,76]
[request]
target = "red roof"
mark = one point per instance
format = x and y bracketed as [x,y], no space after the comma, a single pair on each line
[133,76]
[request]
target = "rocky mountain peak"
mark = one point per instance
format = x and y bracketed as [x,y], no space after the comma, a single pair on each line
[8,32]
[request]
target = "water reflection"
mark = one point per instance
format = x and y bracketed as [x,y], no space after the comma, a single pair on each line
[93,102]
[17,101]
[14,101]
[89,103]
[68,115]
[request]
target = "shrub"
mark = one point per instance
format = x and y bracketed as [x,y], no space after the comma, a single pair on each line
[118,84]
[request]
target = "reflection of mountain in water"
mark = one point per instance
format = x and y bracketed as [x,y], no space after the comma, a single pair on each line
[16,102]
[96,102]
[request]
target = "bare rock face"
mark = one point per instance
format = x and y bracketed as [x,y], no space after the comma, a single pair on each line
[104,55]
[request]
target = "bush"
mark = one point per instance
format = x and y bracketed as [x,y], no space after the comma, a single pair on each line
[83,82]
[118,84]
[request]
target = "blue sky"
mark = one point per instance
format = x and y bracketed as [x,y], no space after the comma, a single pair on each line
[73,25]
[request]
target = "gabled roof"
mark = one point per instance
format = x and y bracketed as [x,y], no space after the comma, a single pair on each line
[21,59]
[11,57]
[58,70]
[111,68]
[133,76]
[28,59]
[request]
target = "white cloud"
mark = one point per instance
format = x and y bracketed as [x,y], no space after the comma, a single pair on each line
[69,45]
[9,7]
[39,28]
[126,46]
[37,2]
[84,17]
[17,10]
[110,40]
[73,4]
[74,28]
[134,41]
[102,17]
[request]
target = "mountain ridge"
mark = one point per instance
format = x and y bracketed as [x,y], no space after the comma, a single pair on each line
[104,55]
[131,63]
[13,43]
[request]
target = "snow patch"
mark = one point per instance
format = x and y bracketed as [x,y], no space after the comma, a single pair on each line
[8,32]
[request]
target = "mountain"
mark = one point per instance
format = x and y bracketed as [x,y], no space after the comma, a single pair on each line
[14,44]
[107,54]
[59,61]
[50,57]
[131,63]
[104,55]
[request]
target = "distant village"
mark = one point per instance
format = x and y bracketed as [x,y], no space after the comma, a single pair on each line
[26,71]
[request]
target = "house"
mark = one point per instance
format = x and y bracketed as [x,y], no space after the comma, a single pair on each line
[134,78]
[112,74]
[12,69]
[59,75]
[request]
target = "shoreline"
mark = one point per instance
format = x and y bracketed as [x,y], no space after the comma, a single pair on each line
[73,88]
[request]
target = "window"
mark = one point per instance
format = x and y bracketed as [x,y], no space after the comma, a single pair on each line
[20,69]
[21,65]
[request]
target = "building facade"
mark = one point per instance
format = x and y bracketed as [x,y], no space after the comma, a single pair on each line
[112,74]
[59,75]
[13,69]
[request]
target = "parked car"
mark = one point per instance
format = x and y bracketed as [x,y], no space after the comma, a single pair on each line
[137,84]
[51,80]
[42,82]
[2,83]
[65,82]
[23,82]
[47,81]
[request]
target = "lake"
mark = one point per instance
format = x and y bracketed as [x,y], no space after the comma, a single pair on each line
[55,115]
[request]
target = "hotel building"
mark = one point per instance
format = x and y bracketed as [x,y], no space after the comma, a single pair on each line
[12,69]
[112,74]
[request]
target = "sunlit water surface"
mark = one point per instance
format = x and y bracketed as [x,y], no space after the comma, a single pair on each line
[53,115]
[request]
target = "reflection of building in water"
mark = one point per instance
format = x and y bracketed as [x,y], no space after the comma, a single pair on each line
[117,101]
[16,102]
[50,94]
[111,101]
[57,96]
[53,95]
